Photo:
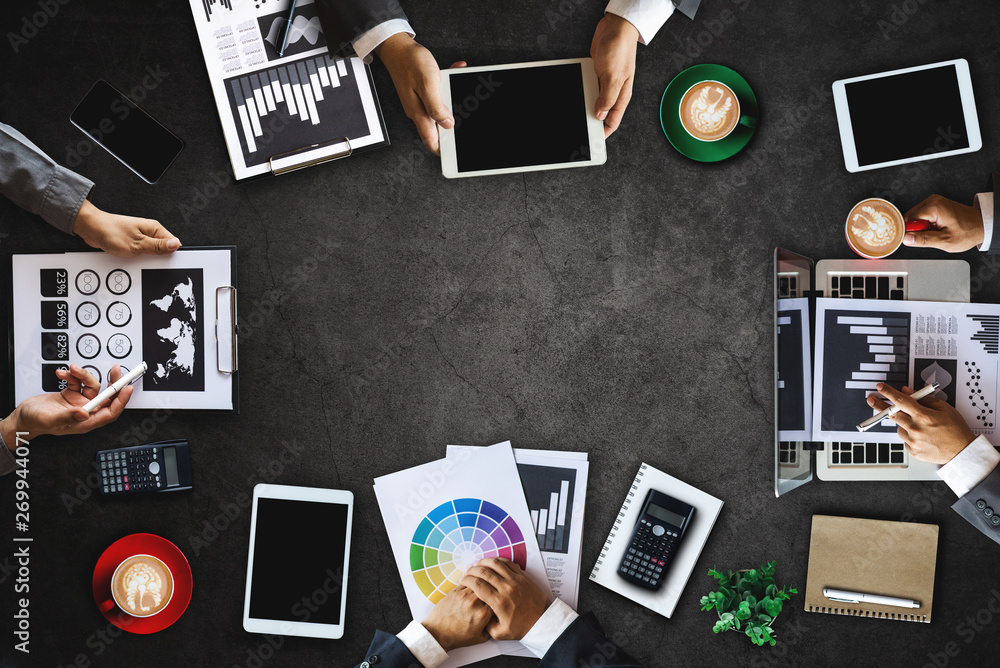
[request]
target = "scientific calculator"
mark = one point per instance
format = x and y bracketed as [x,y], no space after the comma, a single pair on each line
[655,538]
[156,467]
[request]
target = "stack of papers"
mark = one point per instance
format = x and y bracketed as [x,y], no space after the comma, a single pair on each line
[444,516]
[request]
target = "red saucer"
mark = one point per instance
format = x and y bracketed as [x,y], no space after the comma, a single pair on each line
[162,549]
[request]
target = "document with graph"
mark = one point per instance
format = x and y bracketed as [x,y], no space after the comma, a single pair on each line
[861,343]
[281,113]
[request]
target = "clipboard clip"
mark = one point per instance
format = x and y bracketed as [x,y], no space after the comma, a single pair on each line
[309,163]
[231,329]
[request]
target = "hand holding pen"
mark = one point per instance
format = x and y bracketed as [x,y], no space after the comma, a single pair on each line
[932,430]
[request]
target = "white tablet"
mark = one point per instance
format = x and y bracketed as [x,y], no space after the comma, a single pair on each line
[524,117]
[300,540]
[917,113]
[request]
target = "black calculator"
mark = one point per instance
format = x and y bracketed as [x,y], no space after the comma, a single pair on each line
[655,538]
[156,467]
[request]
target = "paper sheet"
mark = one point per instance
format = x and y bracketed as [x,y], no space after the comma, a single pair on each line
[97,310]
[443,516]
[862,343]
[555,486]
[794,371]
[270,105]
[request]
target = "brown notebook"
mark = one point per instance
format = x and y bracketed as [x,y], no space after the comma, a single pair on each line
[872,557]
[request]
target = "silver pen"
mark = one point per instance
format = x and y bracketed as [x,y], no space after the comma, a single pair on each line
[892,410]
[877,599]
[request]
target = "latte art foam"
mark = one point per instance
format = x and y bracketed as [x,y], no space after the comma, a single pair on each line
[142,585]
[873,227]
[709,110]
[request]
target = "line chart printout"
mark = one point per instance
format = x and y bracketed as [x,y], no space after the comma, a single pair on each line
[271,105]
[867,342]
[444,516]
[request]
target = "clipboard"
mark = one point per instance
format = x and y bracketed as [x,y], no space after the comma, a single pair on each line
[281,113]
[97,310]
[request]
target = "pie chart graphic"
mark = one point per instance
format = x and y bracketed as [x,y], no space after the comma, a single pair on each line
[457,534]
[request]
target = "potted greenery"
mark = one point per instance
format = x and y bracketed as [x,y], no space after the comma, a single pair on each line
[747,601]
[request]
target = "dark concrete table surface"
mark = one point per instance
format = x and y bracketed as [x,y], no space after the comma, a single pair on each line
[623,310]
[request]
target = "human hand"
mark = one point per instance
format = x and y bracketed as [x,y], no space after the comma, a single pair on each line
[955,227]
[459,619]
[613,51]
[62,412]
[932,430]
[122,236]
[417,78]
[516,601]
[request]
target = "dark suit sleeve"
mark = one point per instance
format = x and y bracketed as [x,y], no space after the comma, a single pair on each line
[994,185]
[345,20]
[583,643]
[979,504]
[388,651]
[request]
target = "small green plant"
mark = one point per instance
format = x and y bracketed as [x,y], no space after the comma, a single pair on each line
[747,601]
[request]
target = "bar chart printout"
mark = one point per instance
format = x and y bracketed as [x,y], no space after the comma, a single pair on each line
[989,332]
[549,493]
[862,349]
[286,107]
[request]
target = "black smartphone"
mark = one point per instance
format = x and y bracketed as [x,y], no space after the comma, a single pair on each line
[127,132]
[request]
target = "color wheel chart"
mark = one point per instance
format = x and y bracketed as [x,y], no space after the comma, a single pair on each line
[457,534]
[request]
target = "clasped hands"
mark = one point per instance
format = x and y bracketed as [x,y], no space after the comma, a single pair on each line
[495,600]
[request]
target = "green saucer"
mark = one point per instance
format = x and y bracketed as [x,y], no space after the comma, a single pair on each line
[705,151]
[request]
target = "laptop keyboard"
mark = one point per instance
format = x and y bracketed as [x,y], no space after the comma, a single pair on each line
[867,454]
[867,287]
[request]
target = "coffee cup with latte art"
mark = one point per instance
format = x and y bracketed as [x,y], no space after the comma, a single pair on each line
[141,586]
[875,228]
[710,111]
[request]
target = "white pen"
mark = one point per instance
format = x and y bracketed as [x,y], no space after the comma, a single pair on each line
[892,410]
[116,387]
[858,597]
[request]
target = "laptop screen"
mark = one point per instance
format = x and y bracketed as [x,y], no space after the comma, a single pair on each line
[793,370]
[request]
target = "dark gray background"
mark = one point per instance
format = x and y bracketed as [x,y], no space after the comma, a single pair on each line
[623,310]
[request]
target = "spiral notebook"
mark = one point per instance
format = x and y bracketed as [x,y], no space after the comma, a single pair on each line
[662,601]
[872,557]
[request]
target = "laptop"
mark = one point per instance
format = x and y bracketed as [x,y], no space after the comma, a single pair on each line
[797,282]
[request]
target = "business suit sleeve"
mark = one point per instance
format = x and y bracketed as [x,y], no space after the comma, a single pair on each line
[33,181]
[388,651]
[346,20]
[981,505]
[583,643]
[994,186]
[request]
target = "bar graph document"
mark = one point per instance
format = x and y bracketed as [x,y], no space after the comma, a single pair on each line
[280,112]
[555,487]
[903,343]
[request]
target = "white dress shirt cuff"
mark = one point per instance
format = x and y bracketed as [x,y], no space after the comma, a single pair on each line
[422,645]
[984,202]
[548,628]
[646,15]
[364,45]
[970,467]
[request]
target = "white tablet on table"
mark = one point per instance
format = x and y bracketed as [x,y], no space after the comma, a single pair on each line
[907,115]
[523,117]
[300,541]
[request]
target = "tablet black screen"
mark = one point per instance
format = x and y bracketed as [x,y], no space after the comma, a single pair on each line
[298,561]
[907,115]
[520,117]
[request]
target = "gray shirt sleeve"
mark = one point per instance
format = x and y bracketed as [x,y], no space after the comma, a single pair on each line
[7,463]
[33,181]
